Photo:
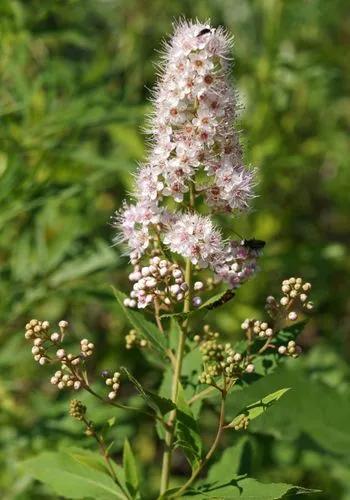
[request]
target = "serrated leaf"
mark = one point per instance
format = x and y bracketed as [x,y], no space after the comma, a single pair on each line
[249,489]
[310,408]
[218,300]
[145,328]
[187,431]
[213,302]
[130,469]
[159,404]
[256,409]
[290,332]
[71,477]
[226,480]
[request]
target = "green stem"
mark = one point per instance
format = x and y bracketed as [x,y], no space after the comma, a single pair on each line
[169,435]
[122,406]
[104,452]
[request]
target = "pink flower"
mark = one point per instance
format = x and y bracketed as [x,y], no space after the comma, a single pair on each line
[194,236]
[133,224]
[236,265]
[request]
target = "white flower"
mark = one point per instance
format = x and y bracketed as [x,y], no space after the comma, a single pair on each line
[195,237]
[192,137]
[148,184]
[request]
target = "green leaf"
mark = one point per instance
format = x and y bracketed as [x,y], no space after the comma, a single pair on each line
[310,408]
[71,475]
[233,462]
[290,332]
[218,300]
[249,489]
[130,469]
[159,404]
[187,431]
[256,409]
[145,328]
[227,479]
[269,361]
[213,302]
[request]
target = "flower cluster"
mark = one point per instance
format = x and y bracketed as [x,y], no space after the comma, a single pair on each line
[47,348]
[258,328]
[195,154]
[114,382]
[220,359]
[192,122]
[294,300]
[159,281]
[224,361]
[77,409]
[132,339]
[63,380]
[72,372]
[242,423]
[292,349]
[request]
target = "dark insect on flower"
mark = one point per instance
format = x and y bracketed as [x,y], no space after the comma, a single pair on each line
[228,295]
[204,31]
[105,373]
[254,244]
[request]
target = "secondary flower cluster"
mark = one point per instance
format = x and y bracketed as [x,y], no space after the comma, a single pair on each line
[220,359]
[195,155]
[295,299]
[48,349]
[224,361]
[132,339]
[160,282]
[114,382]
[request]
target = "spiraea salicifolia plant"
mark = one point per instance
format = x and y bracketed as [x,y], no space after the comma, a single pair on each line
[184,266]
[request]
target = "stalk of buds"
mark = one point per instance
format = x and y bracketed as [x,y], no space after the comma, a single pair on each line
[221,361]
[48,349]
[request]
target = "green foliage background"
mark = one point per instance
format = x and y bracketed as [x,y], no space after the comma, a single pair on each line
[74,77]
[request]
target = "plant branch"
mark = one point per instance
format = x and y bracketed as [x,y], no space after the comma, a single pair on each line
[124,407]
[104,452]
[169,435]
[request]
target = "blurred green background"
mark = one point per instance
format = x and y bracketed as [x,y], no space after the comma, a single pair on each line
[75,79]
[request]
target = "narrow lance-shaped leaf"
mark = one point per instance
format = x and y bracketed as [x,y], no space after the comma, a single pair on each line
[130,469]
[256,409]
[187,432]
[160,405]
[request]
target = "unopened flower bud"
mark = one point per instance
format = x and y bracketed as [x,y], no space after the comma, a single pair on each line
[199,285]
[61,353]
[197,301]
[76,409]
